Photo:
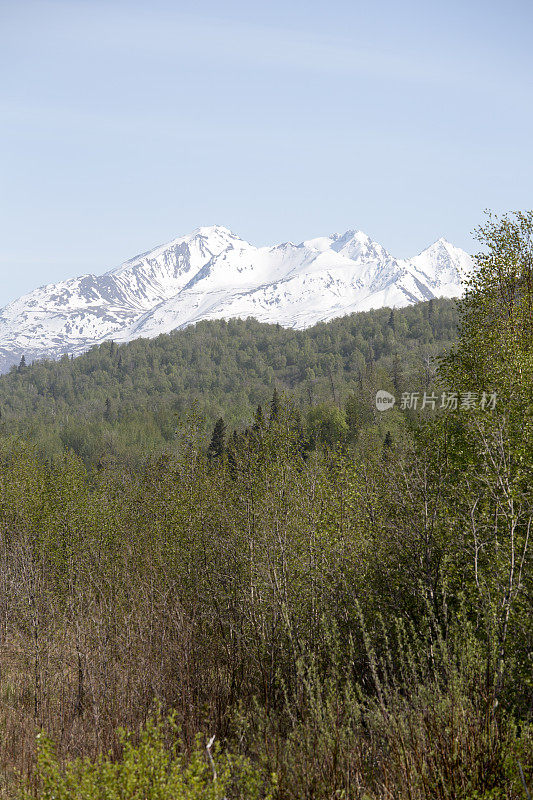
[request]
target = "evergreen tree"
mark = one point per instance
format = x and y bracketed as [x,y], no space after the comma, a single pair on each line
[397,374]
[259,419]
[275,407]
[233,453]
[387,446]
[217,444]
[108,410]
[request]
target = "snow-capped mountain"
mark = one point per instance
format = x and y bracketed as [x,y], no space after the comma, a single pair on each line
[211,274]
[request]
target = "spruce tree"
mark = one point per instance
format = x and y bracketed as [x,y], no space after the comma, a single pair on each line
[386,449]
[275,407]
[232,453]
[217,444]
[259,419]
[397,378]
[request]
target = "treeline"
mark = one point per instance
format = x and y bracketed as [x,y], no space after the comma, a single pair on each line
[126,402]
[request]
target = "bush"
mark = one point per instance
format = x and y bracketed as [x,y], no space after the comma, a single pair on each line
[435,734]
[152,768]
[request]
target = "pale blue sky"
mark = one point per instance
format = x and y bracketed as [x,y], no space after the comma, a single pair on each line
[126,124]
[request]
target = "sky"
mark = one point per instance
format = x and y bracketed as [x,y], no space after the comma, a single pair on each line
[124,124]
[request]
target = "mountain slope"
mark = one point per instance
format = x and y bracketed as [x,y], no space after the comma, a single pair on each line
[123,401]
[212,273]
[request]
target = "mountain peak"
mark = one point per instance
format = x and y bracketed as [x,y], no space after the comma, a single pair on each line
[440,244]
[355,233]
[213,230]
[212,273]
[357,245]
[444,265]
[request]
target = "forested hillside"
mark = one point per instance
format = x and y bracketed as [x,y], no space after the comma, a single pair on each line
[126,402]
[304,601]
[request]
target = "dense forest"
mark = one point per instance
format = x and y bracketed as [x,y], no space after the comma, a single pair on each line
[127,402]
[225,574]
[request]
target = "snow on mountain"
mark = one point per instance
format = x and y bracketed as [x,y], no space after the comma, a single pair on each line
[210,274]
[440,265]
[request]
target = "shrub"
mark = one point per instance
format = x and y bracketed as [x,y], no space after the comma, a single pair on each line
[435,734]
[152,766]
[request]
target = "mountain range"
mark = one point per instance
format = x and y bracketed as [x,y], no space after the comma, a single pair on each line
[212,274]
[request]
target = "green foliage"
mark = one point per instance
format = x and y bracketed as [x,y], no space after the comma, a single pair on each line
[150,768]
[491,453]
[430,730]
[123,403]
[327,424]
